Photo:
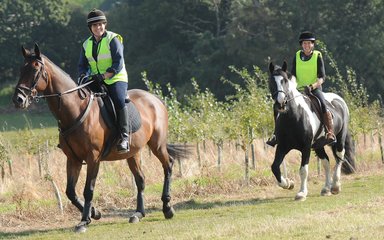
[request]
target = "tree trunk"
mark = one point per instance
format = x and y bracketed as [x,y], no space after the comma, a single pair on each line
[198,154]
[246,164]
[219,155]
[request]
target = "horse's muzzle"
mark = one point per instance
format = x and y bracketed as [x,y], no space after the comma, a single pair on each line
[282,107]
[20,100]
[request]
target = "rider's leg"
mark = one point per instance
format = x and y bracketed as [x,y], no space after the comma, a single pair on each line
[118,93]
[327,117]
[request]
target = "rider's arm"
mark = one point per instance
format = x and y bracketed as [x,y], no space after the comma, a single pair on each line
[320,73]
[293,70]
[117,58]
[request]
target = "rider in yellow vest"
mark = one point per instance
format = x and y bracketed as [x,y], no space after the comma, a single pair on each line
[102,58]
[308,68]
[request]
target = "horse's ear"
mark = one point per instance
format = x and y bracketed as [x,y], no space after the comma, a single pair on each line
[24,51]
[285,66]
[271,67]
[37,51]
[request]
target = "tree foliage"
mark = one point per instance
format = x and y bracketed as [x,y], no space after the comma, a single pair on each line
[175,41]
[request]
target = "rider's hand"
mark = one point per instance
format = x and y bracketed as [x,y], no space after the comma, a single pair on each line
[308,89]
[82,79]
[98,78]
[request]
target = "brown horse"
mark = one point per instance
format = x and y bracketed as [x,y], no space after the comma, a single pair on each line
[84,132]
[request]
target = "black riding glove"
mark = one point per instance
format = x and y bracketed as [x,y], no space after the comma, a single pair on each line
[99,78]
[308,90]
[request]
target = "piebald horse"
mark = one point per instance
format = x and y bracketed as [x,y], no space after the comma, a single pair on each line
[298,127]
[84,132]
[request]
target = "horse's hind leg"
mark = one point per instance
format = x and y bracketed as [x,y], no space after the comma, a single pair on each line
[326,191]
[339,153]
[167,162]
[134,165]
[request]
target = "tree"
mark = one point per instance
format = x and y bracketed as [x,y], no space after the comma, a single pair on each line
[22,19]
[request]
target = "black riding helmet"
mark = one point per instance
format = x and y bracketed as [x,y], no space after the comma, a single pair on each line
[95,16]
[306,36]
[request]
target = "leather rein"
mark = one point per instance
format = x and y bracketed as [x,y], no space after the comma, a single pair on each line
[31,97]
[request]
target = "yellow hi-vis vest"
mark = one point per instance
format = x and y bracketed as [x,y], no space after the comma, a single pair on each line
[104,59]
[306,71]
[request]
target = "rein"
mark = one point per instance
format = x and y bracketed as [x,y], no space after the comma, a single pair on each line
[274,95]
[37,97]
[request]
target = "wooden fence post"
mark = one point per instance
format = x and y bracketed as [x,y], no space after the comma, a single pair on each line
[381,147]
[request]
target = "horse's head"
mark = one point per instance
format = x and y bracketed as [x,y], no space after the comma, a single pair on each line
[33,78]
[279,85]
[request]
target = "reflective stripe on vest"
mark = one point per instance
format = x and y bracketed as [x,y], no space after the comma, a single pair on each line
[104,58]
[306,71]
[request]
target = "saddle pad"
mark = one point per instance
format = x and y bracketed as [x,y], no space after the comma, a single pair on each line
[133,117]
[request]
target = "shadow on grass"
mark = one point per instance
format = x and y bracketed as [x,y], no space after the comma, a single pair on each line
[193,204]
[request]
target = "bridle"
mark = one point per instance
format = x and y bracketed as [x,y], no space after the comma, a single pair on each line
[286,99]
[32,94]
[42,73]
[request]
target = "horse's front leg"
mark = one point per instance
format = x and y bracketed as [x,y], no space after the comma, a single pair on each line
[302,194]
[285,183]
[73,172]
[92,171]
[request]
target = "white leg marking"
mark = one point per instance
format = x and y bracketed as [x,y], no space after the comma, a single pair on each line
[328,180]
[336,185]
[286,183]
[302,194]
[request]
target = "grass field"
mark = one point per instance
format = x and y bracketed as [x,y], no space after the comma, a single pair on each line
[209,203]
[357,213]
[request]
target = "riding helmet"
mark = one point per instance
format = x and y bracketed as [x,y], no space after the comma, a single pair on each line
[306,36]
[95,16]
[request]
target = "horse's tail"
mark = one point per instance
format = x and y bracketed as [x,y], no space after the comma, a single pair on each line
[178,151]
[349,166]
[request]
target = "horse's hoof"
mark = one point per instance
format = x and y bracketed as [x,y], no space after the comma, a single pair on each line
[291,185]
[300,197]
[170,213]
[81,227]
[95,214]
[335,190]
[325,192]
[136,217]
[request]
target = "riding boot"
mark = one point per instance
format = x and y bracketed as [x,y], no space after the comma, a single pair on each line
[123,143]
[272,141]
[328,122]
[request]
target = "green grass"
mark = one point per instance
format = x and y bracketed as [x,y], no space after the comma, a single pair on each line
[356,213]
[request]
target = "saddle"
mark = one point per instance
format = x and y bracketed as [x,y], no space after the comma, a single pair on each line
[108,112]
[316,107]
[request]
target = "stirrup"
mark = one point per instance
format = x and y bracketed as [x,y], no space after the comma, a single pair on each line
[330,141]
[123,148]
[272,141]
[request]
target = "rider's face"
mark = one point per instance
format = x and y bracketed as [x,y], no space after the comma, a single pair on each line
[307,46]
[98,29]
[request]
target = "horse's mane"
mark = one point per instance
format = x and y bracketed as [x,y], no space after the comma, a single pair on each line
[32,56]
[54,65]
